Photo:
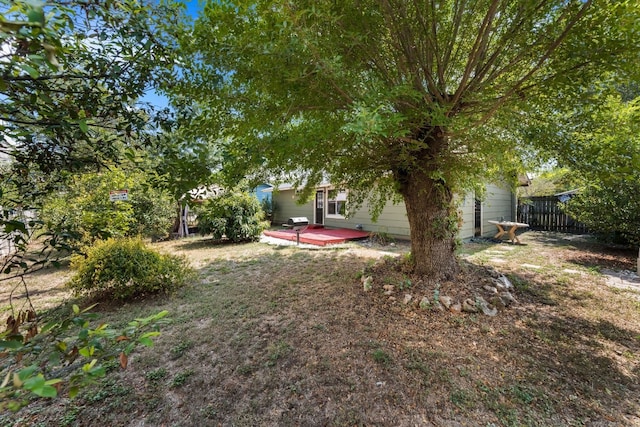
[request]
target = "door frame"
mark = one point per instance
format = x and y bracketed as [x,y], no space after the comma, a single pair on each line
[319,206]
[477,216]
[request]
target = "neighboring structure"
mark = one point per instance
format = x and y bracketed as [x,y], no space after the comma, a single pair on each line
[328,207]
[263,191]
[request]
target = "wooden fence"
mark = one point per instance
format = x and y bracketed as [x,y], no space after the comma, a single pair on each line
[545,213]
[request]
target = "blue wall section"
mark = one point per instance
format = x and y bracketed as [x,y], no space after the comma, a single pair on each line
[261,195]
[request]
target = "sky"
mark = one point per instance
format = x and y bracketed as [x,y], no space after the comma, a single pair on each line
[193,7]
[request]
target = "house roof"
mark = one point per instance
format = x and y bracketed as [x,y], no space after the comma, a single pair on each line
[567,193]
[524,180]
[289,186]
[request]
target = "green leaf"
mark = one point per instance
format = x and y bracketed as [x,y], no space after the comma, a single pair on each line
[83,126]
[146,342]
[87,351]
[91,307]
[14,225]
[10,344]
[88,366]
[36,16]
[34,382]
[30,70]
[46,391]
[25,373]
[150,334]
[73,391]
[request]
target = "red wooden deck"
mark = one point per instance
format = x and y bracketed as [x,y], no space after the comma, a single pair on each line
[319,236]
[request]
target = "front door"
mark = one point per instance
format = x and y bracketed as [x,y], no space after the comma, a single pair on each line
[319,207]
[477,218]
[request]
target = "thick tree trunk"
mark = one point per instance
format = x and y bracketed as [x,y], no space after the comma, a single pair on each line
[433,223]
[433,218]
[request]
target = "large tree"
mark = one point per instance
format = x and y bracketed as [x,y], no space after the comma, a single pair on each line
[409,98]
[71,73]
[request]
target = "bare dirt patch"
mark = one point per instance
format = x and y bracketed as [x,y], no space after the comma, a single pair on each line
[287,336]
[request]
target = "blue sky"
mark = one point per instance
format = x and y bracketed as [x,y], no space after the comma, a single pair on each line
[193,7]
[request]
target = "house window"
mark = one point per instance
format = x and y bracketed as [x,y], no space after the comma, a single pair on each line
[336,203]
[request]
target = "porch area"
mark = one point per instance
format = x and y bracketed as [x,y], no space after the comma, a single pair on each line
[318,235]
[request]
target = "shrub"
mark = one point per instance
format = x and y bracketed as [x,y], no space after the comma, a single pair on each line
[85,213]
[611,209]
[236,216]
[125,268]
[268,206]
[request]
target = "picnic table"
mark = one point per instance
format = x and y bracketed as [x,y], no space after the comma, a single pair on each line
[511,226]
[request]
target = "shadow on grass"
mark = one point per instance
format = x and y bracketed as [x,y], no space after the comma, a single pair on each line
[589,252]
[570,360]
[287,336]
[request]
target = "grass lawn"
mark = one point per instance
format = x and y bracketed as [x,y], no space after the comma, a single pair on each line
[287,336]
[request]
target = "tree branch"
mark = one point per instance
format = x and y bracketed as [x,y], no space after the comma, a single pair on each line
[476,51]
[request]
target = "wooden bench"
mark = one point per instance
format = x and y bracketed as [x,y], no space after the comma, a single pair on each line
[511,226]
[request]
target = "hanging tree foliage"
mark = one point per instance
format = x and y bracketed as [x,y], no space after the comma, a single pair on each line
[394,98]
[70,75]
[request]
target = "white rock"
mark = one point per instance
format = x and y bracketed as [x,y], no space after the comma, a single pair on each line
[407,299]
[481,301]
[507,283]
[446,301]
[507,298]
[497,302]
[469,306]
[499,285]
[367,283]
[489,311]
[484,306]
[490,289]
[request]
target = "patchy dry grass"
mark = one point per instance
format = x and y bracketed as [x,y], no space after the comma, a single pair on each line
[285,336]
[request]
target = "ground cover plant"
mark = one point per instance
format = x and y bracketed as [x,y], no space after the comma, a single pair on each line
[287,336]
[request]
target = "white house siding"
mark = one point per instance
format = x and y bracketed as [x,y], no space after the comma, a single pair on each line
[467,208]
[497,205]
[393,219]
[286,207]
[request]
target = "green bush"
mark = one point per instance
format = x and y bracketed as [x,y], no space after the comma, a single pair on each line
[268,206]
[84,212]
[611,209]
[126,268]
[235,216]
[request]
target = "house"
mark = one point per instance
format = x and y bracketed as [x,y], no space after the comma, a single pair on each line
[329,205]
[262,192]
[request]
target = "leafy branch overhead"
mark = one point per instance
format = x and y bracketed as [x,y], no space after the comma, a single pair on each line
[70,74]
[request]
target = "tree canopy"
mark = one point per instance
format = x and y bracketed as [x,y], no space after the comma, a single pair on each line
[70,75]
[412,98]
